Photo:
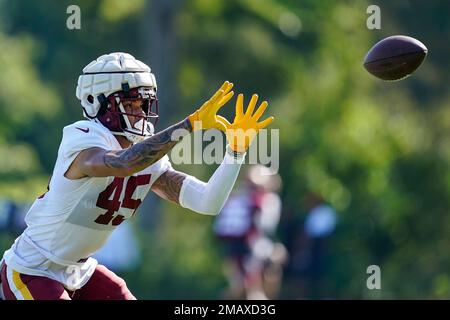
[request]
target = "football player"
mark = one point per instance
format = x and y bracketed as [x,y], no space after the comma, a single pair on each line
[105,167]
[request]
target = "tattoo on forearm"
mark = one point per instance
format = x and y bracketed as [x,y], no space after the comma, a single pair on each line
[169,185]
[148,151]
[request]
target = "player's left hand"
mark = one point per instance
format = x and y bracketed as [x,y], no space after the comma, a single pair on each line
[245,126]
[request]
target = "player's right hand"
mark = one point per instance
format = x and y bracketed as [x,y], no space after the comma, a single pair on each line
[207,113]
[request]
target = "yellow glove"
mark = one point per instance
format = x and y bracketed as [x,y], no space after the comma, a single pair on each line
[245,126]
[207,112]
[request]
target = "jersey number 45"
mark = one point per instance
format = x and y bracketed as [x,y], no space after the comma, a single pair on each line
[116,186]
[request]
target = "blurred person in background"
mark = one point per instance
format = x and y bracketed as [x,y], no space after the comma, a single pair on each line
[309,247]
[246,226]
[12,216]
[106,165]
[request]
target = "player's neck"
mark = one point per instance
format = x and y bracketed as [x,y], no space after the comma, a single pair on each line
[124,142]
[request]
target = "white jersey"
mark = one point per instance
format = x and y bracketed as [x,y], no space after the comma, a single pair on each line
[74,218]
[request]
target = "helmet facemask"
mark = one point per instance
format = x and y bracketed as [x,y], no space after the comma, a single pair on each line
[114,116]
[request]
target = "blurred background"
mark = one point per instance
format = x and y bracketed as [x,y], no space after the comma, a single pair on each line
[364,176]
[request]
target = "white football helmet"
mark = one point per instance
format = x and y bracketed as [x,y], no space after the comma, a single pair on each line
[109,81]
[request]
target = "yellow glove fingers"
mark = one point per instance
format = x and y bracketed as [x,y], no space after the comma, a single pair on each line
[259,112]
[207,112]
[240,106]
[228,87]
[225,85]
[223,101]
[224,121]
[224,89]
[265,123]
[216,96]
[220,125]
[251,105]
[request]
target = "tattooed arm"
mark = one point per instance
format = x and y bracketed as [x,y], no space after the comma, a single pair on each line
[147,152]
[97,162]
[168,185]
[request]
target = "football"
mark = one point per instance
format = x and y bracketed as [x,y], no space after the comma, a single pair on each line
[395,57]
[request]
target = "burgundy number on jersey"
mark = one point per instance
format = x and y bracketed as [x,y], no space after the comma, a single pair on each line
[111,205]
[116,187]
